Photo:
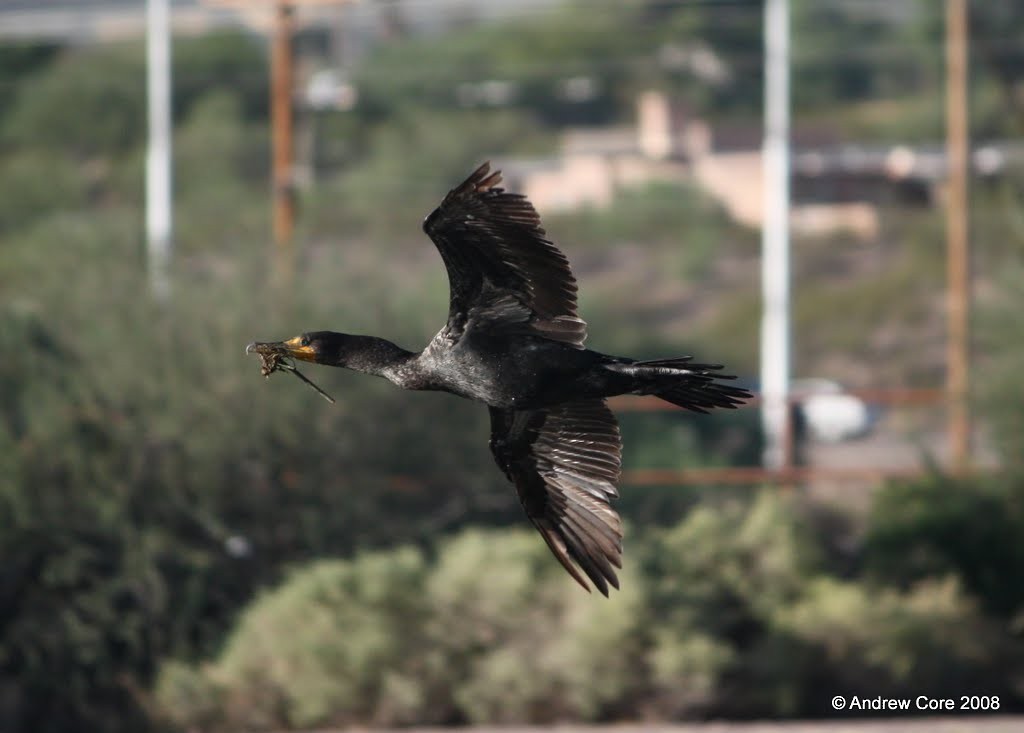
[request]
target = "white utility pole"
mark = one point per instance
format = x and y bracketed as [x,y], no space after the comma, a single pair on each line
[775,327]
[158,155]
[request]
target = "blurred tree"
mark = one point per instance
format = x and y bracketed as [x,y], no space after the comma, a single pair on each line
[91,102]
[406,164]
[529,62]
[717,578]
[105,87]
[999,30]
[26,195]
[929,639]
[228,62]
[845,52]
[940,526]
[996,39]
[998,245]
[727,614]
[18,62]
[710,54]
[150,484]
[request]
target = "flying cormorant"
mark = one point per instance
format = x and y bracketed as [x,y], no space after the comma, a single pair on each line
[514,341]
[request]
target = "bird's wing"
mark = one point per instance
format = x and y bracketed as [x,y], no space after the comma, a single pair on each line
[565,462]
[501,268]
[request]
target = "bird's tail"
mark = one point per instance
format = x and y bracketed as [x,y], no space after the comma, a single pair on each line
[695,387]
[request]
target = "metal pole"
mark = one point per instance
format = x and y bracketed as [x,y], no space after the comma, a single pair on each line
[281,123]
[958,264]
[158,155]
[775,326]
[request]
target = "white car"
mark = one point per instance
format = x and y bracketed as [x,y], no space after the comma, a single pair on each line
[831,414]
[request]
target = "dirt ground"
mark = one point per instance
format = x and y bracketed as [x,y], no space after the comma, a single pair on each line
[945,724]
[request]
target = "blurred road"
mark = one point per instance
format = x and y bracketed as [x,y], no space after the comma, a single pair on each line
[965,724]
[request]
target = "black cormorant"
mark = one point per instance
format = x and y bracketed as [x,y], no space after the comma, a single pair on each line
[514,341]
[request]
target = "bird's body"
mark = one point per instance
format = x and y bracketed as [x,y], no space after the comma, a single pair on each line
[508,373]
[514,341]
[514,372]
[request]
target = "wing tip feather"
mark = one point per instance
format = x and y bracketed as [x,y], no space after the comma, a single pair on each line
[482,179]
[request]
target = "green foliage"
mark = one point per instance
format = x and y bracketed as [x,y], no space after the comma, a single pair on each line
[849,51]
[19,60]
[348,653]
[25,195]
[135,460]
[217,157]
[997,36]
[106,87]
[740,559]
[999,232]
[91,102]
[717,579]
[225,62]
[150,485]
[732,33]
[660,215]
[940,526]
[486,633]
[392,169]
[189,696]
[875,639]
[728,613]
[516,639]
[537,54]
[868,640]
[887,315]
[404,79]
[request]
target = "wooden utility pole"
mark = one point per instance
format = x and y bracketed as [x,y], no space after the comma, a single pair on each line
[281,79]
[958,262]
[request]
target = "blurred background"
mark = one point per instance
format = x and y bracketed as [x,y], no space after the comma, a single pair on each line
[188,547]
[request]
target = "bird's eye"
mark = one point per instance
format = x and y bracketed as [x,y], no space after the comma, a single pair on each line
[304,341]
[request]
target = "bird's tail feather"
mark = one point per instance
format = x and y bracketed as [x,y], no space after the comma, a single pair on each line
[691,386]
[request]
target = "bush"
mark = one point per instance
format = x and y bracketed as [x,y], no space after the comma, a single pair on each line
[940,526]
[867,640]
[717,580]
[26,195]
[345,661]
[151,482]
[1000,389]
[490,632]
[520,643]
[105,89]
[728,614]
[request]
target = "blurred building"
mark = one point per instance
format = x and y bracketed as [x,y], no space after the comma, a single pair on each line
[81,21]
[836,187]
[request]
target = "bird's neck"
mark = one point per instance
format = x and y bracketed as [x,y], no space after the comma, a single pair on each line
[380,357]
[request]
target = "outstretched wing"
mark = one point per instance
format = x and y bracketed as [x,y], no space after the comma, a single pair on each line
[565,462]
[501,268]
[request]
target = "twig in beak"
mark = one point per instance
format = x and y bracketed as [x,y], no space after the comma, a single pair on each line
[274,362]
[291,368]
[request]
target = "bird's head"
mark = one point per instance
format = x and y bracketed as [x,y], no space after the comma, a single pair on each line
[318,347]
[367,354]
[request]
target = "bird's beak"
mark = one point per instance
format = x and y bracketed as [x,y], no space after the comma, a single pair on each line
[273,353]
[291,348]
